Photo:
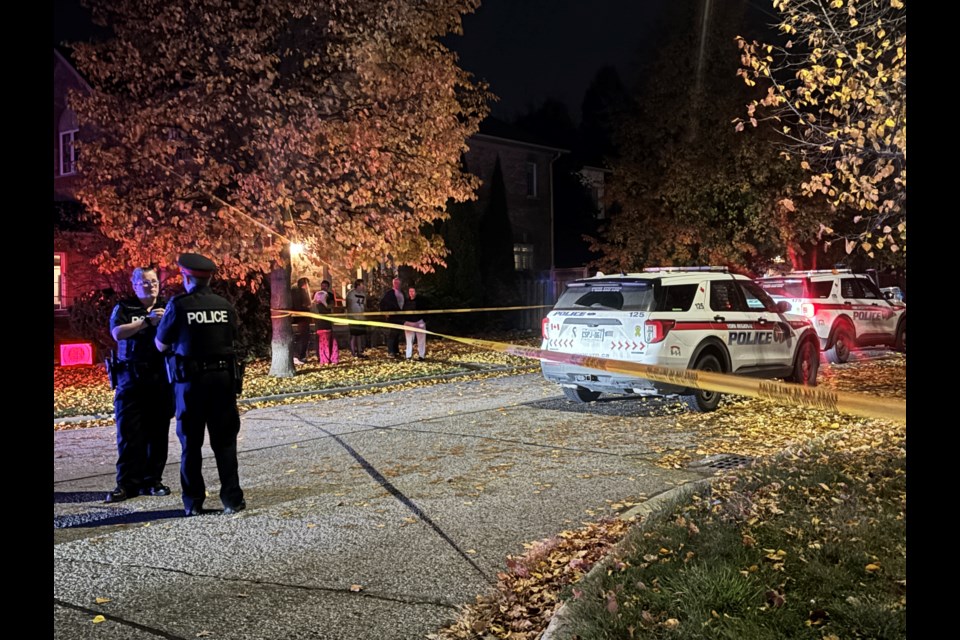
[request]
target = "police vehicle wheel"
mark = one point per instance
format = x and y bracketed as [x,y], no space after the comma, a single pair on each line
[702,400]
[580,395]
[842,344]
[901,343]
[806,364]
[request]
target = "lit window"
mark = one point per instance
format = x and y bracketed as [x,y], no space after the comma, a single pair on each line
[531,179]
[57,281]
[68,152]
[523,257]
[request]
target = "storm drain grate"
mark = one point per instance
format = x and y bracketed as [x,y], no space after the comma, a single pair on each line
[722,462]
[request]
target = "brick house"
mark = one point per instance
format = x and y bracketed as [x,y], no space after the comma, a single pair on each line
[528,178]
[73,243]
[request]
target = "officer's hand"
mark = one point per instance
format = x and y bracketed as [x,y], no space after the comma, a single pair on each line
[154,316]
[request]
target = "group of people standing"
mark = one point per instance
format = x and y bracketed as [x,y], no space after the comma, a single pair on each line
[396,300]
[323,302]
[176,357]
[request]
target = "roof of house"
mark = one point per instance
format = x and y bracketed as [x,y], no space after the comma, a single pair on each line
[496,129]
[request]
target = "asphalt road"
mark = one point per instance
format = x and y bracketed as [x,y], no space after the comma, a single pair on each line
[371,517]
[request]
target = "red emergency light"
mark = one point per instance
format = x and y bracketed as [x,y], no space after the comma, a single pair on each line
[77,353]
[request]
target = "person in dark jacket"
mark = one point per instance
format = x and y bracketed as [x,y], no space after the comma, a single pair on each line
[393,300]
[143,402]
[300,301]
[199,329]
[415,302]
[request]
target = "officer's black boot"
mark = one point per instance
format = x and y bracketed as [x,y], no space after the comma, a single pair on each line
[119,494]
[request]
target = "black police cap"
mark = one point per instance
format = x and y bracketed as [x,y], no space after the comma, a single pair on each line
[194,264]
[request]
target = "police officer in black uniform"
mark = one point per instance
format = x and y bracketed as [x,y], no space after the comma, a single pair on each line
[143,401]
[199,329]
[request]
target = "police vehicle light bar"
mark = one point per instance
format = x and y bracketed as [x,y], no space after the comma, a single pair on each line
[816,272]
[711,268]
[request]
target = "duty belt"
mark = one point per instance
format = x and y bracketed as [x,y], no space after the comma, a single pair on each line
[214,365]
[138,367]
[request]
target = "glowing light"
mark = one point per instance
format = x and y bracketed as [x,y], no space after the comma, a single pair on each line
[296,248]
[74,354]
[778,260]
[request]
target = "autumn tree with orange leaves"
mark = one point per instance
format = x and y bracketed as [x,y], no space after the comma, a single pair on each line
[233,128]
[836,92]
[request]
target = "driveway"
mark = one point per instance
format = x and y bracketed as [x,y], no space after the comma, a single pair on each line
[371,517]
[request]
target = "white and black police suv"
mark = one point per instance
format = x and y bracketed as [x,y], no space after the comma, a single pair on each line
[847,309]
[678,317]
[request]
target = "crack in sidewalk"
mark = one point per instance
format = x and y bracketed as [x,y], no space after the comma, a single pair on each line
[264,583]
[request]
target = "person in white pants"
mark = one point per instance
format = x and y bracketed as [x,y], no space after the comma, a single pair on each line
[414,303]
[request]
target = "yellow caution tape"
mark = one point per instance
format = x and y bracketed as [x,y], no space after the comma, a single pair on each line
[785,392]
[283,313]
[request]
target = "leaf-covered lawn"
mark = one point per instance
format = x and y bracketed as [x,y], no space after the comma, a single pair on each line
[811,544]
[756,428]
[84,391]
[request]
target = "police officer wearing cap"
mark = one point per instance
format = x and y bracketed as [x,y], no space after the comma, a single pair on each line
[199,329]
[143,402]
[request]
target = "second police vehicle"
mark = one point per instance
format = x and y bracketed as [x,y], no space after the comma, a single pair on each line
[702,318]
[847,309]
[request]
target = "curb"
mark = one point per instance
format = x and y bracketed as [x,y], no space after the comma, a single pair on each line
[645,511]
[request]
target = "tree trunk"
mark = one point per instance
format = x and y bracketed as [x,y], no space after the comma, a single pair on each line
[281,342]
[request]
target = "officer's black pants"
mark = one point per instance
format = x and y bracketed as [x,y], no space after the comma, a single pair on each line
[143,407]
[208,401]
[393,341]
[301,340]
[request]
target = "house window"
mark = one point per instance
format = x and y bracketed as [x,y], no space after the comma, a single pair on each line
[523,257]
[531,179]
[57,281]
[179,138]
[68,152]
[596,197]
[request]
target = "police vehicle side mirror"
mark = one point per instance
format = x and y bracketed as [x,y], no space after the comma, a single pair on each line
[888,295]
[783,306]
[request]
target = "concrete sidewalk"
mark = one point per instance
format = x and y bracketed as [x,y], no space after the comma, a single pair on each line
[368,517]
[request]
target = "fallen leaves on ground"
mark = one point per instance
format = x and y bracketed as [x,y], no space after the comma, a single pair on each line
[757,428]
[527,593]
[526,598]
[84,391]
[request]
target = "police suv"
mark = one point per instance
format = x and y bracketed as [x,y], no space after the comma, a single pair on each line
[679,317]
[847,309]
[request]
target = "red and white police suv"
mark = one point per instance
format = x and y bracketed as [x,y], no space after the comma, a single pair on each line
[702,318]
[847,309]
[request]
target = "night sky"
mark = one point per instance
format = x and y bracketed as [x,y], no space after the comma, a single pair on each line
[527,50]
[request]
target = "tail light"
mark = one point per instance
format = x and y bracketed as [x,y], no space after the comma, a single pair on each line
[808,309]
[543,328]
[657,330]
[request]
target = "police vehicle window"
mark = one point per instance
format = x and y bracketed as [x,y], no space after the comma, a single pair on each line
[638,297]
[677,297]
[819,289]
[850,288]
[784,287]
[869,290]
[629,297]
[757,298]
[604,299]
[723,296]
